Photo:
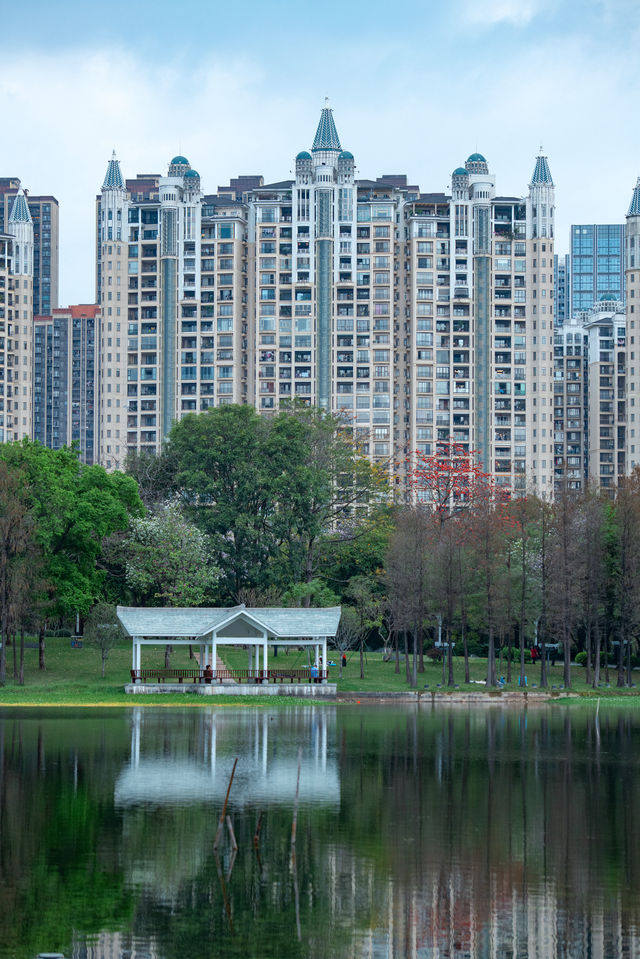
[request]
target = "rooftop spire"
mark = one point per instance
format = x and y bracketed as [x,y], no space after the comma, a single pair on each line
[634,206]
[113,177]
[20,210]
[326,137]
[542,173]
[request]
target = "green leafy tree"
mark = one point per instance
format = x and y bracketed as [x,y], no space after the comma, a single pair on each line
[270,491]
[16,554]
[74,508]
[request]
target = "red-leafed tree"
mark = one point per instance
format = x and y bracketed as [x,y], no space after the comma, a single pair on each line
[463,496]
[448,481]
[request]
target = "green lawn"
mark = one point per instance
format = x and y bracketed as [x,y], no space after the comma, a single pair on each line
[72,677]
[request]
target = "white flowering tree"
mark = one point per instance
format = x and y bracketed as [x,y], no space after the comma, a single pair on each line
[168,560]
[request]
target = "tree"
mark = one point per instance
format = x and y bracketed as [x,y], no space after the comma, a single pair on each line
[348,634]
[270,491]
[103,631]
[451,485]
[168,560]
[627,584]
[16,554]
[74,508]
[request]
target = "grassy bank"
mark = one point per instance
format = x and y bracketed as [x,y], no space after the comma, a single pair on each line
[72,677]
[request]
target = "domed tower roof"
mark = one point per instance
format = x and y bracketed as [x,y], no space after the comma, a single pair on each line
[476,163]
[460,171]
[113,177]
[634,206]
[326,137]
[179,166]
[542,173]
[346,155]
[303,155]
[192,174]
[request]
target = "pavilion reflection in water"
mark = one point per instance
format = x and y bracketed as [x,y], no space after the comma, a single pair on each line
[165,770]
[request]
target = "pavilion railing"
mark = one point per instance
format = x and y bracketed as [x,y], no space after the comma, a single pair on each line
[161,674]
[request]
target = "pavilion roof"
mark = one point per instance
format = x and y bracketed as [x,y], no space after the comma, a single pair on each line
[199,621]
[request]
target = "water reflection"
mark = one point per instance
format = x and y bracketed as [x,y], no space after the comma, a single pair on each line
[420,834]
[195,767]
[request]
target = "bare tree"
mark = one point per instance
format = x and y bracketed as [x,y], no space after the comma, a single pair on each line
[103,631]
[627,526]
[348,634]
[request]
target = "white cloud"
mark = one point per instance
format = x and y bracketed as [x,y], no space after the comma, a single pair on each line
[493,12]
[239,114]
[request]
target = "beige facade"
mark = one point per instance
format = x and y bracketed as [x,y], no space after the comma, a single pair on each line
[425,320]
[632,301]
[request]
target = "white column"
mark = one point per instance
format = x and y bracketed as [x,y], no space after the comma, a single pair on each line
[325,661]
[214,654]
[264,657]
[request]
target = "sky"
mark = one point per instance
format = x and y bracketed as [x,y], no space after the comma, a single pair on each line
[237,88]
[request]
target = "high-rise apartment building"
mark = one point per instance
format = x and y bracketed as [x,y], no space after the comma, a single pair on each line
[606,330]
[632,303]
[64,379]
[425,319]
[596,256]
[16,321]
[45,218]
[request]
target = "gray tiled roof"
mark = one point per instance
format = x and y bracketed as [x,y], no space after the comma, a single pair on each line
[198,621]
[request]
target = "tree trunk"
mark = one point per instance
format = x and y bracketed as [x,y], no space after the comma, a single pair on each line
[15,661]
[397,650]
[167,656]
[465,646]
[491,659]
[41,662]
[543,659]
[521,644]
[596,659]
[450,679]
[104,662]
[406,658]
[629,663]
[588,649]
[620,681]
[414,664]
[566,646]
[606,657]
[21,671]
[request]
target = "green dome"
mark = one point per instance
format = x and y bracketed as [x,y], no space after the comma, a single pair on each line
[345,155]
[607,296]
[476,158]
[180,161]
[460,171]
[192,173]
[303,155]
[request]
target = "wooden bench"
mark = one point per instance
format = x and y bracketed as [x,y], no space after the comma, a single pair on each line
[159,674]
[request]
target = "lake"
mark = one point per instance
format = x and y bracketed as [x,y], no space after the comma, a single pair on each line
[420,832]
